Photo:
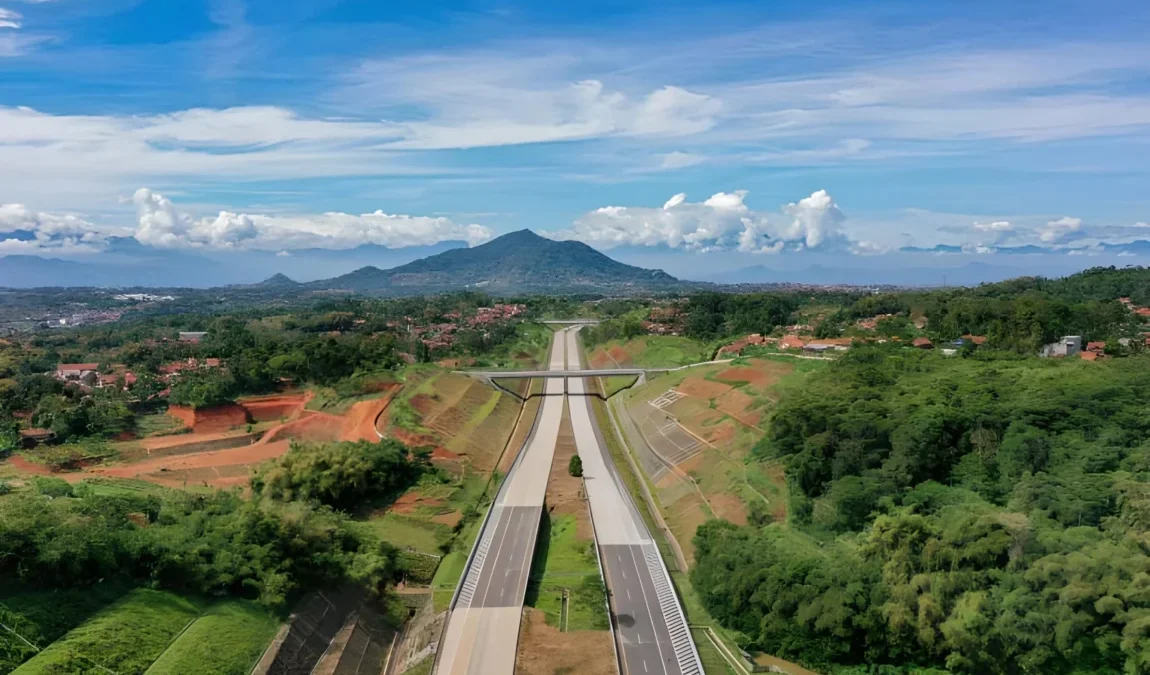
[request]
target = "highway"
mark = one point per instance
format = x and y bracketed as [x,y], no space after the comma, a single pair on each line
[651,629]
[482,632]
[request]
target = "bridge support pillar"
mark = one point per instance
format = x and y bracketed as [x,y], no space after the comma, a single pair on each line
[642,379]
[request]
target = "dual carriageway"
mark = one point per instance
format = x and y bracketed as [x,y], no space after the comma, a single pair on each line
[647,621]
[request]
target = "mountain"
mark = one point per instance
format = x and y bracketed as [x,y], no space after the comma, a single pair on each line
[517,262]
[126,262]
[277,281]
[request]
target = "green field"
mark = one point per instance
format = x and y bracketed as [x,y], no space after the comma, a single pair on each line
[227,640]
[124,638]
[157,424]
[563,561]
[659,351]
[404,532]
[337,398]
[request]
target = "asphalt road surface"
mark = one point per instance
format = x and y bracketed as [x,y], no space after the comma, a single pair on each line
[651,629]
[482,632]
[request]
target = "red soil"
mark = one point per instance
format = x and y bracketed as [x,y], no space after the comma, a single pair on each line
[409,501]
[311,426]
[245,456]
[735,404]
[700,388]
[620,356]
[212,419]
[24,466]
[600,360]
[423,404]
[160,442]
[360,422]
[444,454]
[760,375]
[268,408]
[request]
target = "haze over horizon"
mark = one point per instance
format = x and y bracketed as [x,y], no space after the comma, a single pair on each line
[906,142]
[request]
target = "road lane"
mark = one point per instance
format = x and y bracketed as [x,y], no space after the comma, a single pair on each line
[651,629]
[482,632]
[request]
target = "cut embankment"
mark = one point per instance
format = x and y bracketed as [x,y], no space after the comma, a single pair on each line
[125,638]
[227,640]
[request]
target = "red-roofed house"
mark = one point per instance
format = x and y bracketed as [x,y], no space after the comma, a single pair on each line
[1142,311]
[1096,347]
[75,371]
[923,343]
[975,339]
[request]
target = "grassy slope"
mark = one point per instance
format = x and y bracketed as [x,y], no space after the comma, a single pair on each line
[125,637]
[659,351]
[42,617]
[226,640]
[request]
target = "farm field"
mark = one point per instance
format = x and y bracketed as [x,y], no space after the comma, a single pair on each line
[693,431]
[652,351]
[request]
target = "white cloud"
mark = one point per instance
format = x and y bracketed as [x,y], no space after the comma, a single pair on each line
[815,218]
[160,223]
[1056,230]
[26,231]
[680,160]
[994,226]
[97,155]
[9,19]
[722,222]
[576,111]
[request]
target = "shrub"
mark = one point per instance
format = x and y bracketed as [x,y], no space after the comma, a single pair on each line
[52,487]
[575,466]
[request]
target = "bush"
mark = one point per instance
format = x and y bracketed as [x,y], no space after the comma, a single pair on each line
[5,488]
[341,475]
[52,487]
[211,545]
[575,466]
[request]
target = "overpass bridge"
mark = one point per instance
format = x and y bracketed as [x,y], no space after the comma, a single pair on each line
[489,377]
[570,322]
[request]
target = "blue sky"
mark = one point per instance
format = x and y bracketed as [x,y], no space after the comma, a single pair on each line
[698,136]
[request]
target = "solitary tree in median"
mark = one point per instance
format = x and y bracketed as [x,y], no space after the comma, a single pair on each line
[575,466]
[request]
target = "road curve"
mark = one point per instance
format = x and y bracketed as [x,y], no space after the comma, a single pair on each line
[482,633]
[650,627]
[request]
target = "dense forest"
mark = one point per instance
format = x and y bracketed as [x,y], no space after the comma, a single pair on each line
[967,514]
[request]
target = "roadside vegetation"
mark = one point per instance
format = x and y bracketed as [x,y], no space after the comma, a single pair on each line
[968,515]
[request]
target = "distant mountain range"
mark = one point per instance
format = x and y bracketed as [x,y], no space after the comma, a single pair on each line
[518,262]
[128,263]
[970,274]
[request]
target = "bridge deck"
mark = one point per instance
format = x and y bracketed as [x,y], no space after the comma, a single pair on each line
[522,374]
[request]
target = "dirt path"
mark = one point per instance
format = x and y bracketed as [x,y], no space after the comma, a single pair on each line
[359,424]
[543,650]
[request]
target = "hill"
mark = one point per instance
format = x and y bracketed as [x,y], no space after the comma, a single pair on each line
[517,262]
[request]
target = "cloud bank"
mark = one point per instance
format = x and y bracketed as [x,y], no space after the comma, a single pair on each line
[723,222]
[161,224]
